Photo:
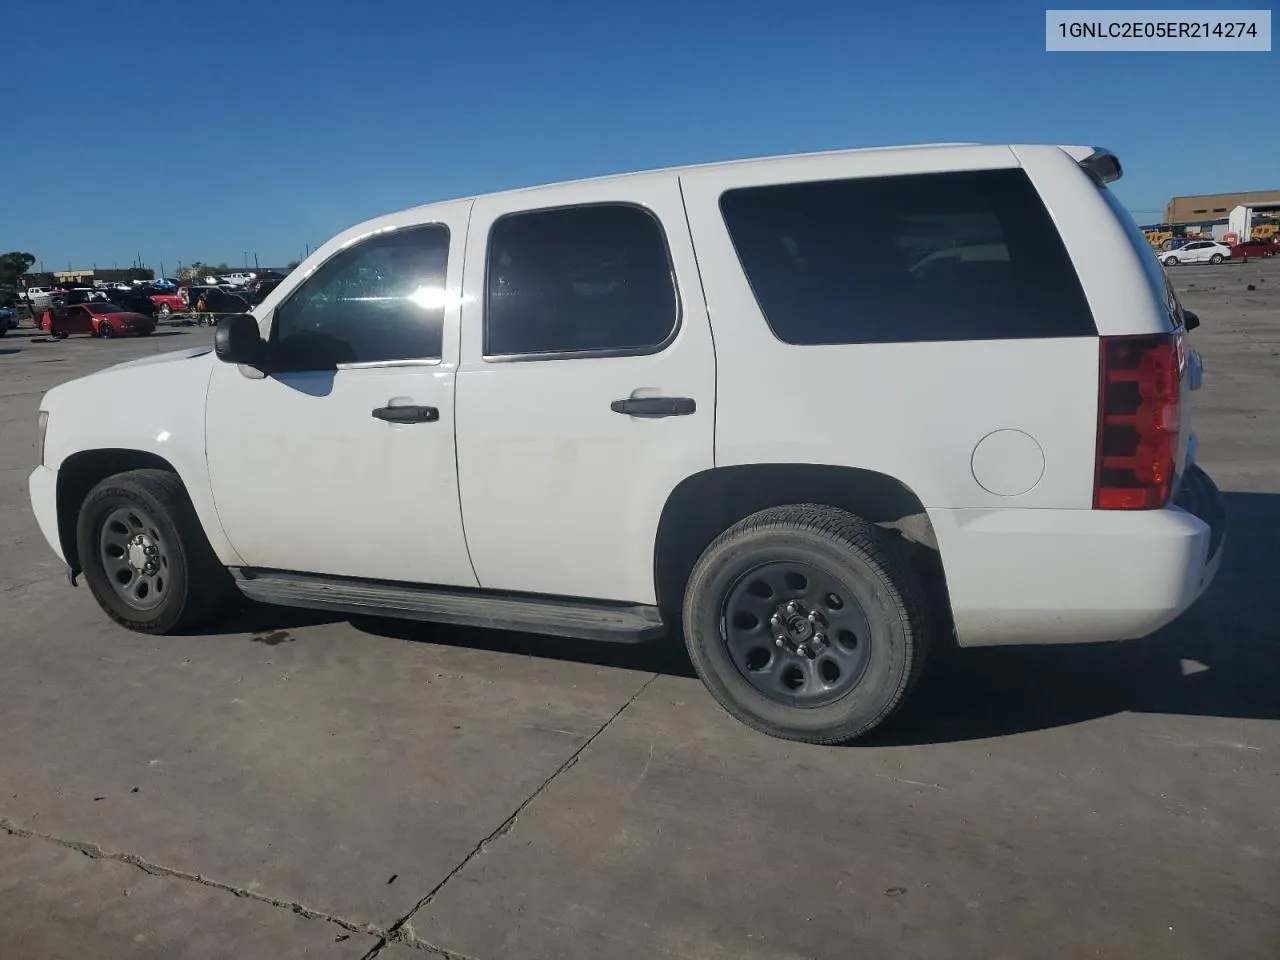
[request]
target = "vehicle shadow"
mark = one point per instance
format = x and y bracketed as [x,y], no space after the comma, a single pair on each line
[1222,658]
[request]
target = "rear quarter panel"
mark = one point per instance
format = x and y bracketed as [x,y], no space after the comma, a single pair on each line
[913,411]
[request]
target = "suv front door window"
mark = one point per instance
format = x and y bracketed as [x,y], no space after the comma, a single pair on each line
[309,470]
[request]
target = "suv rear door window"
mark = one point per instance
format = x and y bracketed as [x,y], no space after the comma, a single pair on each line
[593,279]
[943,256]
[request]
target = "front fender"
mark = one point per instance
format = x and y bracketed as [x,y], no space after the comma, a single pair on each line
[154,405]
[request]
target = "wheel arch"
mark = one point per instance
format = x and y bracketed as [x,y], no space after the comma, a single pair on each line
[80,472]
[705,504]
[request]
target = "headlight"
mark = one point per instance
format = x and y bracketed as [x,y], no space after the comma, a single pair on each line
[41,426]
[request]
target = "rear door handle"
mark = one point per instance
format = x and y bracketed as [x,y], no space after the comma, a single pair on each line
[407,414]
[653,407]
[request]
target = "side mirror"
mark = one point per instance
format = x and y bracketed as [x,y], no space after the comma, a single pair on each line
[237,340]
[1190,320]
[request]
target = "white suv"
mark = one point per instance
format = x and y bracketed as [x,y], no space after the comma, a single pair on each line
[696,396]
[1198,251]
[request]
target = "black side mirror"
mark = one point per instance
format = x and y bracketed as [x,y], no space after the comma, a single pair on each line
[1190,320]
[237,340]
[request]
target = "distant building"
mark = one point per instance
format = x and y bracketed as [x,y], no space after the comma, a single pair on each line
[1214,206]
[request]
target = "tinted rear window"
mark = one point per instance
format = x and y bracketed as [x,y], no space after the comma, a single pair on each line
[945,256]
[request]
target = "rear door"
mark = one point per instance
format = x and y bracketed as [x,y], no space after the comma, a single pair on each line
[586,390]
[1196,252]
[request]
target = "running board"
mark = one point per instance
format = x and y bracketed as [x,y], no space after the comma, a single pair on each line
[530,613]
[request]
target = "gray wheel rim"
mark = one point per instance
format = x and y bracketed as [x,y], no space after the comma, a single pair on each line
[795,634]
[134,557]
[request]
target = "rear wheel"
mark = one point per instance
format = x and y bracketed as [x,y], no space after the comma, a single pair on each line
[145,555]
[165,310]
[1216,258]
[805,623]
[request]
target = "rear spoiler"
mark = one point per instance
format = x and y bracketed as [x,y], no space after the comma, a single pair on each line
[1099,163]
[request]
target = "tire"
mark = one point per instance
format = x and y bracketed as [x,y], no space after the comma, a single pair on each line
[1170,261]
[150,508]
[869,606]
[164,310]
[1216,258]
[105,330]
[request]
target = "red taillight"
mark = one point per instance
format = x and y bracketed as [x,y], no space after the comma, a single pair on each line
[1139,389]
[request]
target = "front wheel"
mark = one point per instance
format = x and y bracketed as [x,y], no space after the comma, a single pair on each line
[105,330]
[1170,261]
[165,310]
[805,624]
[1216,258]
[145,556]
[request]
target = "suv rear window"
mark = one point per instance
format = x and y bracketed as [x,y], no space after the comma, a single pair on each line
[943,256]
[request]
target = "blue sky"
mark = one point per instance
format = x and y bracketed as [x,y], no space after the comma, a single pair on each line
[208,132]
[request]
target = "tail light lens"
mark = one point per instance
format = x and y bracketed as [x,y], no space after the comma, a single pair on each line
[1139,396]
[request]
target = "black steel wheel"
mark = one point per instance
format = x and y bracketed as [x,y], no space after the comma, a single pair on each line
[145,556]
[795,634]
[807,623]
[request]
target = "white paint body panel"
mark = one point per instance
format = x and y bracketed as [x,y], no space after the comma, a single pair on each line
[560,494]
[913,411]
[530,482]
[305,478]
[127,416]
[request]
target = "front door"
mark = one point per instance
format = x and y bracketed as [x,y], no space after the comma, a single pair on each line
[74,319]
[586,391]
[345,463]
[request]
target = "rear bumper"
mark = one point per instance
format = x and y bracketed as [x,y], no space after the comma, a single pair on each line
[1063,576]
[43,487]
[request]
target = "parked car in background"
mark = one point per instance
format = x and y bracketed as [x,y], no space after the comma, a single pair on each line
[83,295]
[1257,247]
[167,301]
[8,320]
[137,301]
[1198,251]
[97,319]
[259,290]
[38,298]
[216,300]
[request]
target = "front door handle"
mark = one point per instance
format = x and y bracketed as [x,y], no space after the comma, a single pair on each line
[407,414]
[655,406]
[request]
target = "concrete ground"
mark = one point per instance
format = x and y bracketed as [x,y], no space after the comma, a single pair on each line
[295,785]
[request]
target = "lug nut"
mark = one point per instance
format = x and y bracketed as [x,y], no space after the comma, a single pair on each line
[813,618]
[775,620]
[792,607]
[778,642]
[819,638]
